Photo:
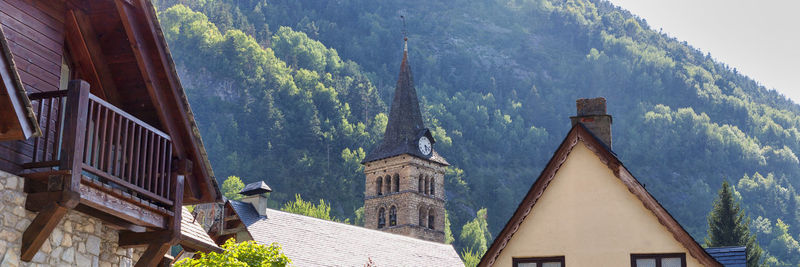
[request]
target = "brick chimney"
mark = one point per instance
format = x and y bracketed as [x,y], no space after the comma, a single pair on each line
[256,194]
[592,114]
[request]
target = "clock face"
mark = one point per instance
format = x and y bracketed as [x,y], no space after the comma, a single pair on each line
[425,146]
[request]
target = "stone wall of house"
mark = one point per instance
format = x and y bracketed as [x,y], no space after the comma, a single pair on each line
[78,240]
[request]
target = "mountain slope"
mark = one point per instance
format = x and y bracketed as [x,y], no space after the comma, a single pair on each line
[497,81]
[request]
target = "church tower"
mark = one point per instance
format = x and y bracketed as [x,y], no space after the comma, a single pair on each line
[404,192]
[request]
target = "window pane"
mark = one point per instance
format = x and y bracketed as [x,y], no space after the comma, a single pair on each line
[551,264]
[645,262]
[527,264]
[671,262]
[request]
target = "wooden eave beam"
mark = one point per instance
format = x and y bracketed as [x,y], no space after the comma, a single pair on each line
[88,55]
[159,93]
[203,166]
[153,255]
[40,228]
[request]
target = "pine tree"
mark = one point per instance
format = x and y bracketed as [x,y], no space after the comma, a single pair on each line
[728,226]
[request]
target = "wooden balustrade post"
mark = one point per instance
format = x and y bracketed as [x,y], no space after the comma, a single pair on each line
[75,124]
[63,190]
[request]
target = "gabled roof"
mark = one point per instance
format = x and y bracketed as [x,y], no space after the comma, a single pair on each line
[405,124]
[729,256]
[174,105]
[310,241]
[576,134]
[17,120]
[193,237]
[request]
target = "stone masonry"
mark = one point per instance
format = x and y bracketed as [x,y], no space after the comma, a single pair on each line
[79,239]
[411,201]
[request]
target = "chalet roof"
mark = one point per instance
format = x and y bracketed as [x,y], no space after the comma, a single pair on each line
[17,119]
[197,149]
[729,256]
[255,188]
[193,237]
[405,124]
[310,241]
[580,133]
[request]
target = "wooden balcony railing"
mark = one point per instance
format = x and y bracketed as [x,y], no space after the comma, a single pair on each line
[119,151]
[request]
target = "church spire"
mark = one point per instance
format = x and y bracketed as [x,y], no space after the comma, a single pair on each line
[405,125]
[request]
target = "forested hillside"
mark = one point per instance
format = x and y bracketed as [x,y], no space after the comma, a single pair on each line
[294,93]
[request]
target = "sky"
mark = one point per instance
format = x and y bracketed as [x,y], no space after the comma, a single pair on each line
[760,38]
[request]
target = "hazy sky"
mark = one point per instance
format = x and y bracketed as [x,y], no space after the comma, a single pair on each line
[760,38]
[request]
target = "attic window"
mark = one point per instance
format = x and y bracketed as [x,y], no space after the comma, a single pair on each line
[658,260]
[539,262]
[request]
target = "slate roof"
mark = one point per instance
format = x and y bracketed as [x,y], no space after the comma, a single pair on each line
[310,241]
[729,256]
[405,124]
[193,236]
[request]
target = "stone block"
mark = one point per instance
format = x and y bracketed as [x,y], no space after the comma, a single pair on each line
[67,241]
[93,245]
[56,237]
[83,260]
[69,255]
[10,259]
[12,182]
[22,224]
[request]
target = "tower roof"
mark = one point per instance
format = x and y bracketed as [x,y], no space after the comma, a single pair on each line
[405,121]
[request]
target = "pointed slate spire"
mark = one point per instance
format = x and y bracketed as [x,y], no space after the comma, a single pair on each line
[405,125]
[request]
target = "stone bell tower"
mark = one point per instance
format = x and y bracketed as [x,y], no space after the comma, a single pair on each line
[404,192]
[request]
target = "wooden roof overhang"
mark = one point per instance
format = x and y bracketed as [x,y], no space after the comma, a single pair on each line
[17,119]
[580,133]
[119,48]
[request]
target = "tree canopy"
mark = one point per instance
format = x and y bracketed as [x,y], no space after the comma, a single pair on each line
[729,226]
[242,254]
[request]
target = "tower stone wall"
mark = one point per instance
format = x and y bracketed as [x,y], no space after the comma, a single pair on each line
[414,204]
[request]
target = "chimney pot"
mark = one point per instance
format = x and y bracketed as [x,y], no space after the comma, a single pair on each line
[255,194]
[592,114]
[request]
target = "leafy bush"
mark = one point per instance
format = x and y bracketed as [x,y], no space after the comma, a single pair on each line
[244,254]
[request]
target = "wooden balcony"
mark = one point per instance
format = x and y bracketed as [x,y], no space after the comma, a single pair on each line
[96,158]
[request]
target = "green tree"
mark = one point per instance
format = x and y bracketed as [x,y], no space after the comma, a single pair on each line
[244,254]
[475,235]
[302,207]
[784,246]
[728,226]
[448,234]
[470,258]
[359,216]
[231,188]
